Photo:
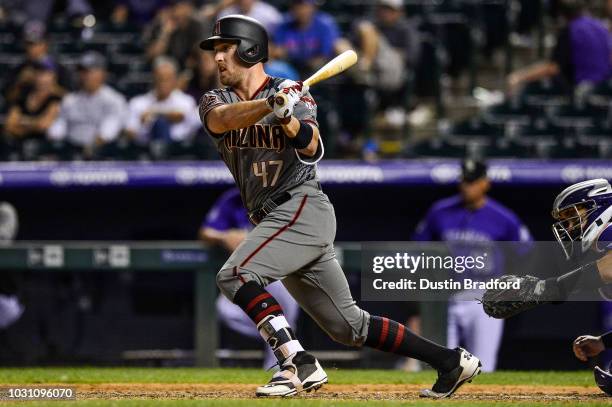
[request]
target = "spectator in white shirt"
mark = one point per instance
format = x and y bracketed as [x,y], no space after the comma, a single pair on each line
[165,113]
[94,115]
[261,11]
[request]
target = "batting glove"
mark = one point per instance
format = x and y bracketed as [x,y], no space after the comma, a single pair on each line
[297,86]
[283,102]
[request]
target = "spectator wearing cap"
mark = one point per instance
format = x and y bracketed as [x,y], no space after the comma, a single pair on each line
[174,33]
[36,46]
[307,37]
[37,108]
[472,219]
[165,113]
[261,11]
[581,55]
[94,115]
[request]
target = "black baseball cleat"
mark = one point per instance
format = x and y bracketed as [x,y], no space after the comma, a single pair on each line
[299,372]
[448,383]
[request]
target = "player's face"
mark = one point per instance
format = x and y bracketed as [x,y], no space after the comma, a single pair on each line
[571,219]
[230,71]
[473,192]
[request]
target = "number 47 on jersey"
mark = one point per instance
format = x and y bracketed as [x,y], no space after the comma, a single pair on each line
[261,168]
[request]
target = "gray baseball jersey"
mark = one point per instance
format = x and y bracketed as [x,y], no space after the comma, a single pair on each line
[294,243]
[259,157]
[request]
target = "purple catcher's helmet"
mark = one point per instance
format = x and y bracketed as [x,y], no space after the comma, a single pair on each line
[583,211]
[603,378]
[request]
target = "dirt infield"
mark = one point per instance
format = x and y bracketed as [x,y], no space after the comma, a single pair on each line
[478,392]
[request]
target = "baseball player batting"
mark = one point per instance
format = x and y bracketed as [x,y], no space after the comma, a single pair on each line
[271,149]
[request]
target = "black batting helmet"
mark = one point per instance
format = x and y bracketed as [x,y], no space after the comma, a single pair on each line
[250,35]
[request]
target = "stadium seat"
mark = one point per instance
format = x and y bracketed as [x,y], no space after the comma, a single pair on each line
[73,47]
[123,150]
[477,129]
[601,95]
[510,112]
[8,45]
[542,130]
[545,93]
[436,148]
[508,149]
[131,48]
[134,84]
[573,117]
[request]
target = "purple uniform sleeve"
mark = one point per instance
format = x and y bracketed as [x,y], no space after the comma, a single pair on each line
[517,232]
[425,230]
[218,218]
[227,213]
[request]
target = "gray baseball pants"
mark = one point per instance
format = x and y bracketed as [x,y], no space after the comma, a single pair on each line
[294,244]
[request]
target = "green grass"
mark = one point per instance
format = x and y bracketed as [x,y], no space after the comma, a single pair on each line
[336,376]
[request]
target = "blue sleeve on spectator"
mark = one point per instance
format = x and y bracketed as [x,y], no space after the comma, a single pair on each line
[329,35]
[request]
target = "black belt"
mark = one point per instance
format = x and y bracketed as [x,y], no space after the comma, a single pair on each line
[257,215]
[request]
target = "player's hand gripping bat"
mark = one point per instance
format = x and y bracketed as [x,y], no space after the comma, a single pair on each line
[337,65]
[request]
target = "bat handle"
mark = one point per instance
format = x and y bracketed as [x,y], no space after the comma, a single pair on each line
[281,100]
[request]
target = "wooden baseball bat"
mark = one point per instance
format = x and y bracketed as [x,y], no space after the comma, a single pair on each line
[337,65]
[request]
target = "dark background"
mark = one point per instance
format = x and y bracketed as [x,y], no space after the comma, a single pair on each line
[92,317]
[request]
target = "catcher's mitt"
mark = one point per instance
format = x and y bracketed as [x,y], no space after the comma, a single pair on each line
[505,303]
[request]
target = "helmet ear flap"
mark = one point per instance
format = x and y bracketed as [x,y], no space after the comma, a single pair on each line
[251,52]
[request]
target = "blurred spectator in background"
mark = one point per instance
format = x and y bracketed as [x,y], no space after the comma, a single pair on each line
[306,38]
[582,53]
[226,226]
[165,114]
[37,108]
[175,32]
[389,48]
[261,11]
[37,10]
[138,12]
[11,308]
[36,47]
[473,217]
[94,115]
[204,75]
[281,69]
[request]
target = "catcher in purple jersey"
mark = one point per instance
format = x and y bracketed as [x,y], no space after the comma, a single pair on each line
[583,227]
[272,151]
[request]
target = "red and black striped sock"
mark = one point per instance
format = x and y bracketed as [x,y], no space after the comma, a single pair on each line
[256,302]
[390,336]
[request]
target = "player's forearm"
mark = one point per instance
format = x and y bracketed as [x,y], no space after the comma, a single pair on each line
[237,115]
[291,130]
[604,267]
